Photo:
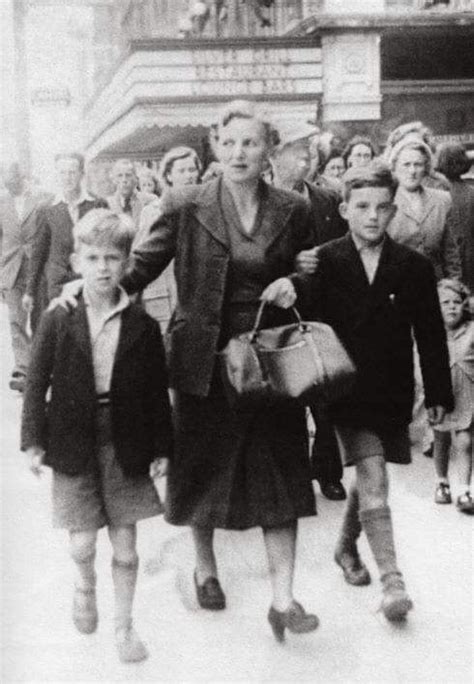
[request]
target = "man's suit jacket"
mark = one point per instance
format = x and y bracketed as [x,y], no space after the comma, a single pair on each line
[431,234]
[66,426]
[328,224]
[375,322]
[53,245]
[192,229]
[138,201]
[17,235]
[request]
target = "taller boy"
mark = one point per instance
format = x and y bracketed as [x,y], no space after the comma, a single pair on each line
[377,295]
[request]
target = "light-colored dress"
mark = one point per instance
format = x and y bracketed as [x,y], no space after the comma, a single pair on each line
[461,357]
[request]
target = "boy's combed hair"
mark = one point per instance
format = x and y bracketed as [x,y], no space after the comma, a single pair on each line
[458,287]
[376,174]
[102,227]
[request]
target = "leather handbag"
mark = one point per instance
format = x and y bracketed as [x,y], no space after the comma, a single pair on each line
[304,360]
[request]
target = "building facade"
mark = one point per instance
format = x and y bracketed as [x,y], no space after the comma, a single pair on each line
[358,66]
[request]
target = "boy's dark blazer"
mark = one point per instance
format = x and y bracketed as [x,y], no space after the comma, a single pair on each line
[66,426]
[377,322]
[52,246]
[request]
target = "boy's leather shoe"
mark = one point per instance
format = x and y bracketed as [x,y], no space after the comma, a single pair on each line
[465,503]
[84,610]
[17,382]
[333,490]
[209,594]
[395,602]
[130,647]
[442,494]
[355,572]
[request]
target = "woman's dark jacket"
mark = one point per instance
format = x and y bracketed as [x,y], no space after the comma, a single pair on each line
[192,230]
[376,322]
[66,425]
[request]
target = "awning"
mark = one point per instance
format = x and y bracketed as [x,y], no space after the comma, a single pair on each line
[152,141]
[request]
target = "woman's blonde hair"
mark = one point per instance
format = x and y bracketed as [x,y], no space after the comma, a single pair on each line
[411,142]
[244,109]
[175,153]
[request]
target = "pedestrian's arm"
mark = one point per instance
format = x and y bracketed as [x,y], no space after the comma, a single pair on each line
[450,255]
[430,336]
[34,417]
[39,253]
[153,253]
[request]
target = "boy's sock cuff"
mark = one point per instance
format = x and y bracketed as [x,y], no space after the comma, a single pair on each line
[370,514]
[120,564]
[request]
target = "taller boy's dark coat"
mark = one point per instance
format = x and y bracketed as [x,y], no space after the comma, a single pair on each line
[66,426]
[192,229]
[375,322]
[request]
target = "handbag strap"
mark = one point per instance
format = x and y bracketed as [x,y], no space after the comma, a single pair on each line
[258,320]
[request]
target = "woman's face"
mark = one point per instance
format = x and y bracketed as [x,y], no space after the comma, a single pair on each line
[410,169]
[242,150]
[147,184]
[335,168]
[360,156]
[183,172]
[451,308]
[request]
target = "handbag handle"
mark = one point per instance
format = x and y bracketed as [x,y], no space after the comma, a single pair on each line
[258,319]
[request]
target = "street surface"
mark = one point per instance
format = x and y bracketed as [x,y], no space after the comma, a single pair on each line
[353,644]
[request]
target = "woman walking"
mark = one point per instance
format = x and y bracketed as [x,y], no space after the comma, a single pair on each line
[234,240]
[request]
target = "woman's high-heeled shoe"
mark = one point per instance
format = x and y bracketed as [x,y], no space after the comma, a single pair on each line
[294,618]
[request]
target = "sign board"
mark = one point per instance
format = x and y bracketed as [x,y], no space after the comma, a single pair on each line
[50,97]
[463,138]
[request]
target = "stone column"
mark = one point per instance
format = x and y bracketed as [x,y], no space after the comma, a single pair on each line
[22,129]
[351,76]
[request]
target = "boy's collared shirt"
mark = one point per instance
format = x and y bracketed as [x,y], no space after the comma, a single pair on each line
[104,330]
[369,255]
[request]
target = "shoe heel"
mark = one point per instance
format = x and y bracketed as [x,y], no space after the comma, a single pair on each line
[277,623]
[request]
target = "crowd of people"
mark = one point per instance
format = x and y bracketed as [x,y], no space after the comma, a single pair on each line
[377,245]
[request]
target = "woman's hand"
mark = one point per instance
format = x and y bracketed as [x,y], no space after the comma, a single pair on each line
[68,297]
[307,261]
[281,293]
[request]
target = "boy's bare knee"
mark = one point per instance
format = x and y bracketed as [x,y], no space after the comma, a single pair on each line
[123,540]
[82,545]
[372,482]
[464,442]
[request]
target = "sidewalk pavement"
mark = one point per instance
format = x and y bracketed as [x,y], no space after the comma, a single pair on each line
[353,644]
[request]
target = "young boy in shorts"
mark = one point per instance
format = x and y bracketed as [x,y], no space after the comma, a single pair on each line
[378,295]
[107,421]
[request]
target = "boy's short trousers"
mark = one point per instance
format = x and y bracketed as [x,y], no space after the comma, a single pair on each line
[358,443]
[104,496]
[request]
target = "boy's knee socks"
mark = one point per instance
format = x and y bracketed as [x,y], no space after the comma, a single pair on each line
[124,576]
[377,524]
[351,527]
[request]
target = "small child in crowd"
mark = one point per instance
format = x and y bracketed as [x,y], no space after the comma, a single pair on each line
[107,423]
[376,294]
[457,426]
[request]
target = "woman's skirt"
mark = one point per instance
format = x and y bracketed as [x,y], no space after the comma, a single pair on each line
[238,469]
